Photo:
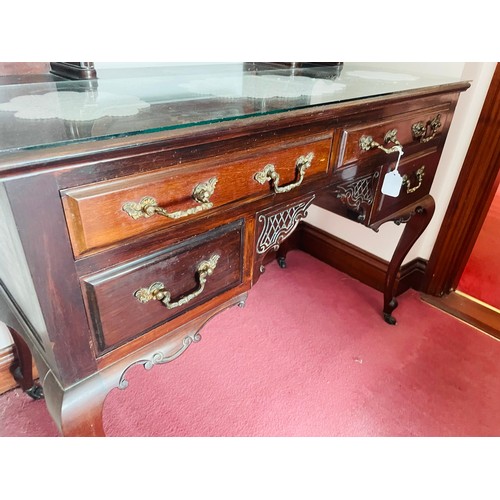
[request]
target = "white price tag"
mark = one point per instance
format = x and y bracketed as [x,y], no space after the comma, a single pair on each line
[393,180]
[392,184]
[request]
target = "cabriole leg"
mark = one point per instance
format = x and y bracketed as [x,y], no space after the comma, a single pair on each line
[77,411]
[22,369]
[418,220]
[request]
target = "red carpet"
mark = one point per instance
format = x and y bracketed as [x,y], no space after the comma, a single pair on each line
[309,355]
[481,278]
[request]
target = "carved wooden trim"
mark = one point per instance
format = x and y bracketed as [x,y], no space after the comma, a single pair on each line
[358,193]
[471,199]
[159,358]
[279,225]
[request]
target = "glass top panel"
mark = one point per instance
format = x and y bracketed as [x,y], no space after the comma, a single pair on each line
[138,100]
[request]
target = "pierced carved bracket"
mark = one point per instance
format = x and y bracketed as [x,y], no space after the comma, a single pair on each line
[360,192]
[278,226]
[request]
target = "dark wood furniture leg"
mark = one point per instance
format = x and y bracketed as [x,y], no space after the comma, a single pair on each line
[291,242]
[281,255]
[416,220]
[77,411]
[83,422]
[22,369]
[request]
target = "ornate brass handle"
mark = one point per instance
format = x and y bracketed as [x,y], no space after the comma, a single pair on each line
[148,206]
[406,180]
[157,290]
[268,173]
[420,129]
[366,142]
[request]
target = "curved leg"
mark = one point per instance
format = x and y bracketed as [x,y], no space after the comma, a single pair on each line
[22,369]
[291,242]
[86,423]
[281,255]
[77,411]
[416,222]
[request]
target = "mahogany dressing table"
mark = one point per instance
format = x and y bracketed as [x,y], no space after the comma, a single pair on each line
[136,206]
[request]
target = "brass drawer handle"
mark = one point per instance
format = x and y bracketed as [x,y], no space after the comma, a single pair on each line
[268,173]
[148,206]
[420,129]
[419,175]
[366,142]
[157,290]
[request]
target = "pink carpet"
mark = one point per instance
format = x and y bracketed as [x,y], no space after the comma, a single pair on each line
[481,278]
[309,355]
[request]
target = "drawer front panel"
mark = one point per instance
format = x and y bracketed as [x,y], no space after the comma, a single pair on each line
[418,173]
[103,214]
[424,127]
[123,304]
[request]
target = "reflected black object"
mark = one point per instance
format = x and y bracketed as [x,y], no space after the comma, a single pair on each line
[74,70]
[330,70]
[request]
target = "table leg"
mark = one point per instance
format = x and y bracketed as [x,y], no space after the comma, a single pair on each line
[22,369]
[415,223]
[281,254]
[77,410]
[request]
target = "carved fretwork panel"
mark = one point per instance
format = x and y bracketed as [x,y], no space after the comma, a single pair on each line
[358,195]
[277,226]
[274,226]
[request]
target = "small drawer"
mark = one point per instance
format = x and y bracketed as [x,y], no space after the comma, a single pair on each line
[105,213]
[360,142]
[418,174]
[128,300]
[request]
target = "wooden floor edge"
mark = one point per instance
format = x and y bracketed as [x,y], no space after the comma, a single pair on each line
[484,304]
[468,310]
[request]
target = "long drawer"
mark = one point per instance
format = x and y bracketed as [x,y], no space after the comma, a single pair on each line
[106,213]
[128,300]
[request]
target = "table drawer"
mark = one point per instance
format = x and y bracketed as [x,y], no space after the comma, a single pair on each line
[128,300]
[418,174]
[105,213]
[422,127]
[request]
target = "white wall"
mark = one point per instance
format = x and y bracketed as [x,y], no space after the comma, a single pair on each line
[5,338]
[384,242]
